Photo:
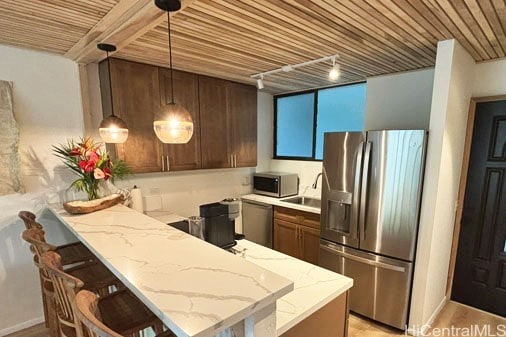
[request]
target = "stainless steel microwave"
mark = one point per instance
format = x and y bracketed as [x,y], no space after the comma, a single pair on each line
[276,184]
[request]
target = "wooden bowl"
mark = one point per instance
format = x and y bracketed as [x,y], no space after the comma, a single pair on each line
[83,207]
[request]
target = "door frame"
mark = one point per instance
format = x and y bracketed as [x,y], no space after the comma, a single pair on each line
[462,185]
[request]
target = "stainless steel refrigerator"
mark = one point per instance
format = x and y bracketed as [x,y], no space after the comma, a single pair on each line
[369,218]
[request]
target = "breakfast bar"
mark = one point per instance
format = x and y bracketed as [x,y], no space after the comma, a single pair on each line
[198,289]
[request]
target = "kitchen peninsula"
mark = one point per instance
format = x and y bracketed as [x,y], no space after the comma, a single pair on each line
[197,289]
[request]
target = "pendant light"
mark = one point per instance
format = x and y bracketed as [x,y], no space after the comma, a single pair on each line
[112,129]
[173,124]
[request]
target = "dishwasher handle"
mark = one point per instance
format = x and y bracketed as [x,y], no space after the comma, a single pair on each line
[266,206]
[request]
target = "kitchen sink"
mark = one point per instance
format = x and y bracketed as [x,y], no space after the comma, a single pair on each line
[305,201]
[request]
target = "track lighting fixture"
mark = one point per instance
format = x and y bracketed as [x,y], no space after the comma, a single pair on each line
[335,71]
[260,82]
[112,129]
[333,74]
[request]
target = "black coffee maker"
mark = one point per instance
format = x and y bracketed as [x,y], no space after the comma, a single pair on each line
[219,227]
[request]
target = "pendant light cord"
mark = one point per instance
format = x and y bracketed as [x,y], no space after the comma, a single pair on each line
[110,82]
[170,63]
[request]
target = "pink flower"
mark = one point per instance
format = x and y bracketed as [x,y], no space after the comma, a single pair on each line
[87,166]
[98,173]
[93,157]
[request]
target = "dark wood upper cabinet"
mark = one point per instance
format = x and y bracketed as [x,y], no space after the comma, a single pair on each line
[224,117]
[228,113]
[186,93]
[242,121]
[214,123]
[136,97]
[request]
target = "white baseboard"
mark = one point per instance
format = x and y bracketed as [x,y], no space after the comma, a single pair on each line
[422,330]
[436,312]
[21,326]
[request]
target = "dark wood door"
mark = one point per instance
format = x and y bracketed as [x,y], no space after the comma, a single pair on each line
[480,271]
[214,123]
[242,117]
[310,244]
[136,97]
[186,94]
[286,239]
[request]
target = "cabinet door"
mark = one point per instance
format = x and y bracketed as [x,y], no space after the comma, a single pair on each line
[286,238]
[242,115]
[214,123]
[182,156]
[310,244]
[136,97]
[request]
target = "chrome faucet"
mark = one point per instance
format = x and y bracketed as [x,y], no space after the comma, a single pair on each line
[315,184]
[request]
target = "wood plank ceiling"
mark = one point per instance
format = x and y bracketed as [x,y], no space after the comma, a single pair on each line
[234,39]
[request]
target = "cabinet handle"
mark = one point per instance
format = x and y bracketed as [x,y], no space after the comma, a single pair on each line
[168,163]
[163,164]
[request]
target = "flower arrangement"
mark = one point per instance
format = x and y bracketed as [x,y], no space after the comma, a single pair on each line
[91,164]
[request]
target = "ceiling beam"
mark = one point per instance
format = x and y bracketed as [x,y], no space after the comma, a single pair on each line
[123,24]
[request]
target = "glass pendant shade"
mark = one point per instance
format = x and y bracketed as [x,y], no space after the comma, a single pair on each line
[113,129]
[173,125]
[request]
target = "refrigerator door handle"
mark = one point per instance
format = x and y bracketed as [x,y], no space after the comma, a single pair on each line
[362,260]
[363,194]
[356,192]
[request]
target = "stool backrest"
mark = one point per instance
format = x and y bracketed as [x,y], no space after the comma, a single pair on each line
[65,287]
[86,304]
[37,239]
[29,220]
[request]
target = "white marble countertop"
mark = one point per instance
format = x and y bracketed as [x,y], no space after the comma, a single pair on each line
[279,202]
[196,288]
[314,286]
[165,216]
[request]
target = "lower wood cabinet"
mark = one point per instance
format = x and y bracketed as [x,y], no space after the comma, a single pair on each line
[329,321]
[297,233]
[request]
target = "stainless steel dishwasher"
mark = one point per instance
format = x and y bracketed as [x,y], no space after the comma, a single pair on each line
[257,222]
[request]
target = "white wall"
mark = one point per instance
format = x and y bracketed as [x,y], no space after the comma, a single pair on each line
[399,101]
[265,123]
[490,79]
[453,85]
[47,107]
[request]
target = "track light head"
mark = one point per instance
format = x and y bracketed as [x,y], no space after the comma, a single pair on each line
[260,84]
[335,72]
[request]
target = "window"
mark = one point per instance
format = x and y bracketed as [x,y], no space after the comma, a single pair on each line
[295,119]
[302,119]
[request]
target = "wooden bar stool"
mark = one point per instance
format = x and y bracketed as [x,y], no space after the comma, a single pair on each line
[71,253]
[89,313]
[97,277]
[121,311]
